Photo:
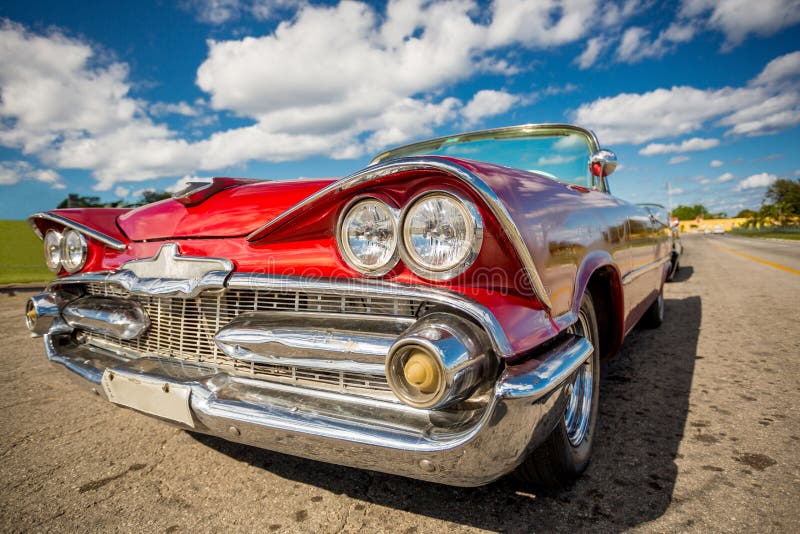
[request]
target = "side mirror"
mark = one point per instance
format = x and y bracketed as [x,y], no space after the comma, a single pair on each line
[602,163]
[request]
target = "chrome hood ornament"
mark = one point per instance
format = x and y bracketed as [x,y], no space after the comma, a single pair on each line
[169,273]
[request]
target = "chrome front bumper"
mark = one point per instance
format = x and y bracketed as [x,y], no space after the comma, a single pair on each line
[461,447]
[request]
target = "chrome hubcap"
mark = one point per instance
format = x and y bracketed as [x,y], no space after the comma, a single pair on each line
[579,391]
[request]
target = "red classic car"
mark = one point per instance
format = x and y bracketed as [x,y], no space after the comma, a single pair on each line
[440,314]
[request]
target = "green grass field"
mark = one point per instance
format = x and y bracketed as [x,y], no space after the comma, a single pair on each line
[21,255]
[777,232]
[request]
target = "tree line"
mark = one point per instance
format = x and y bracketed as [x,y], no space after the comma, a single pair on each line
[79,201]
[781,205]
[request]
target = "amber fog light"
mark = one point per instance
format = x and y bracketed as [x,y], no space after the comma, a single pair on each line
[422,372]
[416,376]
[31,316]
[438,361]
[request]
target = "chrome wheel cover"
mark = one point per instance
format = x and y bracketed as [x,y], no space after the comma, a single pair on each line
[580,391]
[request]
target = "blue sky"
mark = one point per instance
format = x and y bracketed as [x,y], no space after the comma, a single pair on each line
[111,98]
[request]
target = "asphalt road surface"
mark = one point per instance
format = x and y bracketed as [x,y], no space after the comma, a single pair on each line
[699,430]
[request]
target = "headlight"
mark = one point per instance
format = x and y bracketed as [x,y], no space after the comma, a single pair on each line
[442,235]
[73,251]
[52,250]
[367,237]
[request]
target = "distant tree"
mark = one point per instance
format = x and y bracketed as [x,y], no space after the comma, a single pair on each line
[784,194]
[745,213]
[688,213]
[75,201]
[149,196]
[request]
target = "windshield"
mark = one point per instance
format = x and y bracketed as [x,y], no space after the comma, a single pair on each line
[558,152]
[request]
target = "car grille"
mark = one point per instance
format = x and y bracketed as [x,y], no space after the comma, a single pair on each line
[184,329]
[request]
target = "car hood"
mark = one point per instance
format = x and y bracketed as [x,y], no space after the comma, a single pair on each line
[232,208]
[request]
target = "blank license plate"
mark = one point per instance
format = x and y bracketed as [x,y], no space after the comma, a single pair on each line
[148,395]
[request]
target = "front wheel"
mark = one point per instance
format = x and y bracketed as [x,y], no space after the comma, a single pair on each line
[565,453]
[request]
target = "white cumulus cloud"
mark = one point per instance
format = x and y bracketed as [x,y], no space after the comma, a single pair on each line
[308,88]
[737,19]
[755,109]
[678,159]
[716,163]
[121,191]
[756,180]
[12,172]
[636,45]
[487,103]
[594,47]
[689,145]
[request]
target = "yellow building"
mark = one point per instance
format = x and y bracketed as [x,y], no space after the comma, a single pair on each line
[710,224]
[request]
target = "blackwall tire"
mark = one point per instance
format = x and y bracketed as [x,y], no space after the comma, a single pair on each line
[566,452]
[654,315]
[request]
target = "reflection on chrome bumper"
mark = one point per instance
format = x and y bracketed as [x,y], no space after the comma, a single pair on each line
[468,446]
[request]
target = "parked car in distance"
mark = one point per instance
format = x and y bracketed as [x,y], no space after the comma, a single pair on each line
[718,229]
[441,314]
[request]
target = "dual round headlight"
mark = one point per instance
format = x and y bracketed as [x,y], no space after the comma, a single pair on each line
[441,236]
[68,250]
[368,237]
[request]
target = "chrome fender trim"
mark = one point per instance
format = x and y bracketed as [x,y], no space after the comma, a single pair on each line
[91,232]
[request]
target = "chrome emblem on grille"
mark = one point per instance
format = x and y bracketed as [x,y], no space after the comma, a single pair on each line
[169,273]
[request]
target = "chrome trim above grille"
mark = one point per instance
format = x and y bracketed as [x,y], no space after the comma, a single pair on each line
[188,275]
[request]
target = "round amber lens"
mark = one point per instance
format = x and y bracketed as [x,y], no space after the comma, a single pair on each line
[421,372]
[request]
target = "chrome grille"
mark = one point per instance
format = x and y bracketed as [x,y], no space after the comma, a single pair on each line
[184,329]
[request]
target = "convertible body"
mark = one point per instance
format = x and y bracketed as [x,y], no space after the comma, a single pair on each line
[424,316]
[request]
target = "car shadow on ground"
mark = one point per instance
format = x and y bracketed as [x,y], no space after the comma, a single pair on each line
[644,407]
[683,274]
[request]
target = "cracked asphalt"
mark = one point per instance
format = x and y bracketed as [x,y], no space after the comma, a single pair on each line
[699,430]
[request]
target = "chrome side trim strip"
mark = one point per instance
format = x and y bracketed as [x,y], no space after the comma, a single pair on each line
[94,234]
[644,269]
[480,187]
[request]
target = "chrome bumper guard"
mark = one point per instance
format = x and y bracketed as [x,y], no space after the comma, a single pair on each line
[462,447]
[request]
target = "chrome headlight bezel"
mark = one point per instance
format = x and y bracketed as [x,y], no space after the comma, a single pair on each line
[72,268]
[344,245]
[474,223]
[53,265]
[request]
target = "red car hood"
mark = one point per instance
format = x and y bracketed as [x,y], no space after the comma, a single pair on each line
[234,211]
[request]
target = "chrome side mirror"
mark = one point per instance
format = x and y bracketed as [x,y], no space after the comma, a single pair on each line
[602,163]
